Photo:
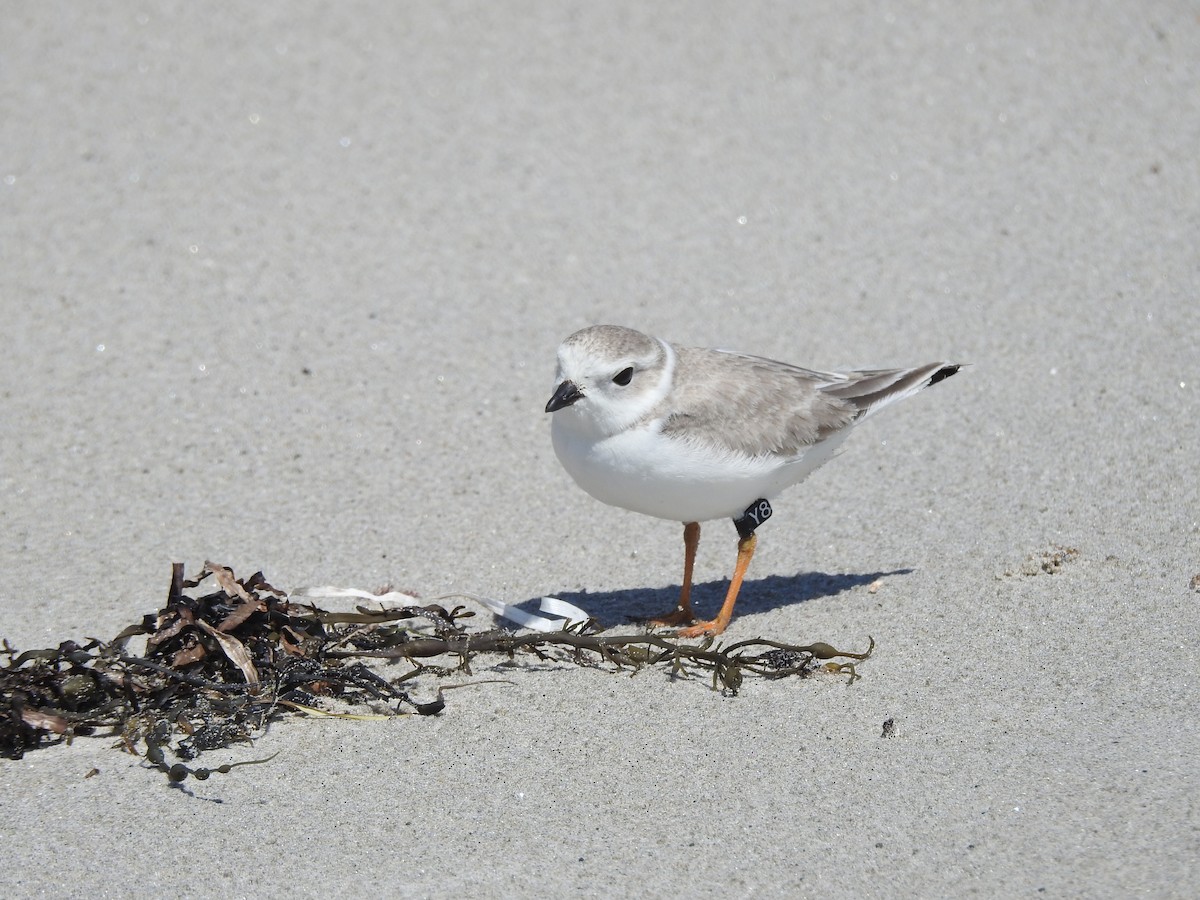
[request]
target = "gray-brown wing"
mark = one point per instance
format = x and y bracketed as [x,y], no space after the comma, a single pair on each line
[753,405]
[868,390]
[761,406]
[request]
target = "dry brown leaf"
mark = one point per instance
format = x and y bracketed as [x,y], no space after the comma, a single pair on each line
[292,643]
[257,582]
[188,655]
[237,653]
[35,718]
[240,614]
[229,584]
[165,634]
[175,591]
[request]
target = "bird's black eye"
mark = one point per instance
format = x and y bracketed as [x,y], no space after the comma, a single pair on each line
[623,377]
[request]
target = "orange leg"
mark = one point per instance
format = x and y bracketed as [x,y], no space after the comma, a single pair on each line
[682,613]
[721,622]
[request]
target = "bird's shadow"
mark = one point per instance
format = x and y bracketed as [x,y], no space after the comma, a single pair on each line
[759,595]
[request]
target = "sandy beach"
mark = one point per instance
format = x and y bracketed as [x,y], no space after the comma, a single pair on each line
[282,285]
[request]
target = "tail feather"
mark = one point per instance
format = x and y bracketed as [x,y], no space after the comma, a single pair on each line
[870,390]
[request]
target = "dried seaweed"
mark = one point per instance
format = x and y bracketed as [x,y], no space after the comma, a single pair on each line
[219,667]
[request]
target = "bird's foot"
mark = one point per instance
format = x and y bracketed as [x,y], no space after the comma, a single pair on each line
[702,629]
[680,615]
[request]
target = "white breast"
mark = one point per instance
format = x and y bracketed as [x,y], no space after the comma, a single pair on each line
[641,470]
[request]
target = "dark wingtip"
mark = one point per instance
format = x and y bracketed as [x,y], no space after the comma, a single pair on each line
[943,373]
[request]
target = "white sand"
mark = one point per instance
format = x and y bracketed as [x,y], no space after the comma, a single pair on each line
[281,287]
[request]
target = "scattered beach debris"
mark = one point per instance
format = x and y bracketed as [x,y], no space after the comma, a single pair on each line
[1048,562]
[221,663]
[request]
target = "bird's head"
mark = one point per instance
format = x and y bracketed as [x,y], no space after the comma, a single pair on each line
[608,378]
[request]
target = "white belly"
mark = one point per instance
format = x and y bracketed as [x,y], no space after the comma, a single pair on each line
[643,471]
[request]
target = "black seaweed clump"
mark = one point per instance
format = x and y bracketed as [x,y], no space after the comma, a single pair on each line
[221,667]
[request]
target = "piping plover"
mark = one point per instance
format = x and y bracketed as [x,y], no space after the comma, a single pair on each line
[692,434]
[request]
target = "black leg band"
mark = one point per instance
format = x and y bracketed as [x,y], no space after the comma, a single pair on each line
[756,513]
